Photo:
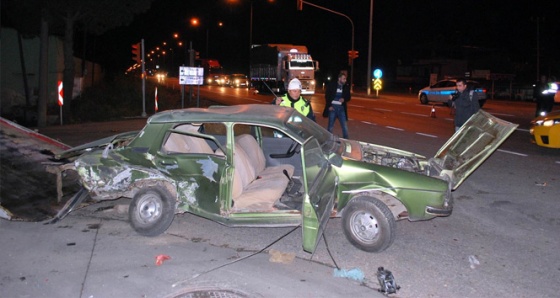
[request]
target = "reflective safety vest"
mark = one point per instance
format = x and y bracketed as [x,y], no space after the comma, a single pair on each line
[301,105]
[552,88]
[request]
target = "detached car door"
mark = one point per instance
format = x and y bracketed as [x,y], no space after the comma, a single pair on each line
[320,183]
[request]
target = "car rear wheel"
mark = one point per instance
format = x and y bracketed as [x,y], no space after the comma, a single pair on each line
[369,224]
[424,99]
[151,211]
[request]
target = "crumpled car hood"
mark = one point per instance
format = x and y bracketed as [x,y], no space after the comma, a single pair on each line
[465,151]
[116,141]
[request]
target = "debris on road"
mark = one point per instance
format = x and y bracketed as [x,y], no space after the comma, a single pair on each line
[355,274]
[281,257]
[386,281]
[473,261]
[161,258]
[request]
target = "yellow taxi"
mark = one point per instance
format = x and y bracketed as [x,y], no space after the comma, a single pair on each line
[545,130]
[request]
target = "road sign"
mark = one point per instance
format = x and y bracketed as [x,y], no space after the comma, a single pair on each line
[377,73]
[377,84]
[60,94]
[191,75]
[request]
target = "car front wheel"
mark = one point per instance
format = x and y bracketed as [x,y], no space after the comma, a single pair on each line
[151,211]
[424,99]
[369,224]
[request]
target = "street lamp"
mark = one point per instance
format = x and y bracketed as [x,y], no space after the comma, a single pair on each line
[195,22]
[180,44]
[251,22]
[351,23]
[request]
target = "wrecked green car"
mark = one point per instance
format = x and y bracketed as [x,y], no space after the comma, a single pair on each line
[269,166]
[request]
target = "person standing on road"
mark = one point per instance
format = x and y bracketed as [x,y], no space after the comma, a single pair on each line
[465,102]
[337,95]
[548,95]
[294,99]
[539,96]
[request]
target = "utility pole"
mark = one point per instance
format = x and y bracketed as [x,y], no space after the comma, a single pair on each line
[143,81]
[354,53]
[368,83]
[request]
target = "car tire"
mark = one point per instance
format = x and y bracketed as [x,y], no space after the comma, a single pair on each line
[424,99]
[369,224]
[151,211]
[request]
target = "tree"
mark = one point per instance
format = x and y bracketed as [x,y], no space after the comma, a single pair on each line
[35,23]
[44,16]
[100,16]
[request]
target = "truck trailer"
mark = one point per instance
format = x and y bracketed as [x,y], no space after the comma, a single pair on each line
[274,65]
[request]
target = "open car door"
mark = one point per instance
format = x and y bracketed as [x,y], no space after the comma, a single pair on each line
[320,182]
[471,145]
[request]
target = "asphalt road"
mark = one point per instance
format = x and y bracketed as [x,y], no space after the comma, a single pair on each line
[502,239]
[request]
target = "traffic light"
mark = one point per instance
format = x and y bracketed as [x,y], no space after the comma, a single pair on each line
[352,54]
[136,55]
[300,5]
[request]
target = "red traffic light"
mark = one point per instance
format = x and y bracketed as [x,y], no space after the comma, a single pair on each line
[136,55]
[352,54]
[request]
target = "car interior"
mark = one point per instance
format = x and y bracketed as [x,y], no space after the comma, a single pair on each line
[266,178]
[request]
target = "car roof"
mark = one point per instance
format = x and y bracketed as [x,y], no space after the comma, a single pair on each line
[249,113]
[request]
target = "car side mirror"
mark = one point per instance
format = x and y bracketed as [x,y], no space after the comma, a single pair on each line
[335,160]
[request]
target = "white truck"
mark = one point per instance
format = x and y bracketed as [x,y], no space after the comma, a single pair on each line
[274,65]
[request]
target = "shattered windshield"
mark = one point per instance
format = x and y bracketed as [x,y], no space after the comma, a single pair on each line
[305,128]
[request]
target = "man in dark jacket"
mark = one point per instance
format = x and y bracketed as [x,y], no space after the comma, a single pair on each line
[337,96]
[465,102]
[539,94]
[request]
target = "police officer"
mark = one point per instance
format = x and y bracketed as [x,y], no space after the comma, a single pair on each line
[294,99]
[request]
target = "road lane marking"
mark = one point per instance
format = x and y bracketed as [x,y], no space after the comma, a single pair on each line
[514,153]
[523,129]
[384,110]
[427,135]
[395,128]
[368,123]
[501,114]
[414,114]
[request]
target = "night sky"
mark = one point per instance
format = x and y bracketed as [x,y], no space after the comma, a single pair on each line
[400,27]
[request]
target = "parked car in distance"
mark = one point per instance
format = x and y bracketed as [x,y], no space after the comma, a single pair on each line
[224,80]
[545,130]
[442,90]
[264,165]
[239,81]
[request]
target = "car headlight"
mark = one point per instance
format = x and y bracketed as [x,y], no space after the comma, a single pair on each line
[551,122]
[547,123]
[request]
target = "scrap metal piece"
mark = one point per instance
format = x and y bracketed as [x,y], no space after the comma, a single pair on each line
[386,281]
[78,198]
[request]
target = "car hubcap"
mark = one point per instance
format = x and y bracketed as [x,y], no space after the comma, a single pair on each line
[364,226]
[149,208]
